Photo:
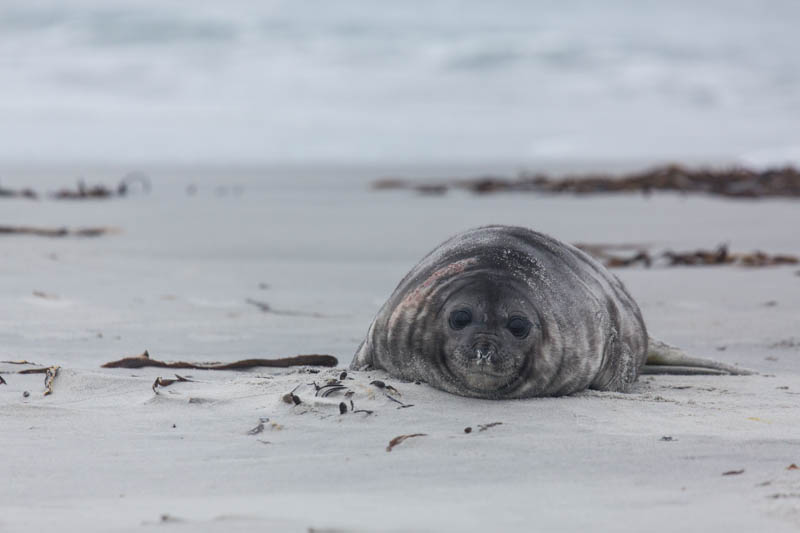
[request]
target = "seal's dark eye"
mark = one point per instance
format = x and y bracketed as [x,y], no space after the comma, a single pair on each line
[460,318]
[519,326]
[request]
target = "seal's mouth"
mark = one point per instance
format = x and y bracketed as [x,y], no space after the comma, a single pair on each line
[488,373]
[484,367]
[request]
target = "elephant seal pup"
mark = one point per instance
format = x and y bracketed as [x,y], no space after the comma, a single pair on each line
[506,312]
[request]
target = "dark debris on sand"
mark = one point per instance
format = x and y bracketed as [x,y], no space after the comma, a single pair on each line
[54,232]
[732,182]
[400,438]
[50,374]
[166,382]
[102,192]
[733,472]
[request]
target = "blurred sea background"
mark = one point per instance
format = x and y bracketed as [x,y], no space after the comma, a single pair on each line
[415,82]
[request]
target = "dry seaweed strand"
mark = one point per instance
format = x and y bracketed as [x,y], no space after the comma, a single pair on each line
[484,427]
[161,382]
[402,405]
[327,390]
[381,385]
[387,389]
[733,472]
[143,360]
[397,440]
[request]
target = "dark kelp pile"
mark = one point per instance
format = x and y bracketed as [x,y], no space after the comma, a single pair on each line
[732,182]
[616,256]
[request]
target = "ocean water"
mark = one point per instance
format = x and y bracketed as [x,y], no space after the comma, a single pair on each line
[412,81]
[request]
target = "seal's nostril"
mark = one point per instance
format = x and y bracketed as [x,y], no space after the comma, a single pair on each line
[484,354]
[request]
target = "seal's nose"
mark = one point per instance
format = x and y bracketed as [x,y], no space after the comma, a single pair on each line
[484,352]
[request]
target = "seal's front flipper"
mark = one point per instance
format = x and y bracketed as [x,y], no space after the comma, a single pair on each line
[665,359]
[362,358]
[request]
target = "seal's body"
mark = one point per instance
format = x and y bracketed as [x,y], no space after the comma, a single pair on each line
[506,312]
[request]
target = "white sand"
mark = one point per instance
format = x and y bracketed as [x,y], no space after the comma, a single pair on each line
[101,452]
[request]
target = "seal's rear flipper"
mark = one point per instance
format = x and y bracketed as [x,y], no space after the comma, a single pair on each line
[665,359]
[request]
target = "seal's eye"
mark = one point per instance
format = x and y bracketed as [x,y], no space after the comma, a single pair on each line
[519,326]
[460,318]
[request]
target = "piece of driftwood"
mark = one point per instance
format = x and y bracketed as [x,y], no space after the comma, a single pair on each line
[54,232]
[143,360]
[732,182]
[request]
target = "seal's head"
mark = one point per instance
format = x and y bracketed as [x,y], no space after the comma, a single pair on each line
[489,334]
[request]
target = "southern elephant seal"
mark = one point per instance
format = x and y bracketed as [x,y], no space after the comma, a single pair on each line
[507,312]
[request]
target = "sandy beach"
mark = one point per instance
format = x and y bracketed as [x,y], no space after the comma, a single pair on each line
[302,157]
[106,451]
